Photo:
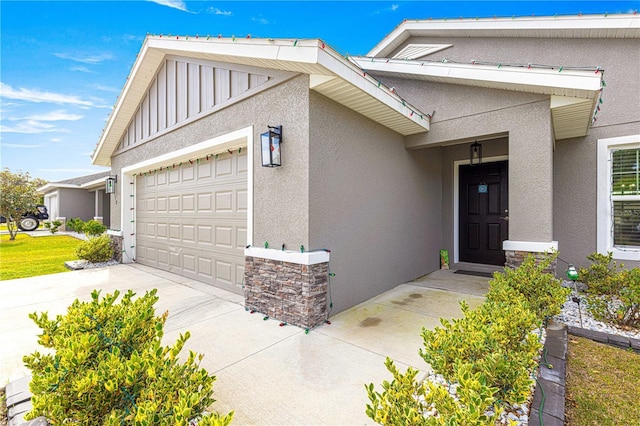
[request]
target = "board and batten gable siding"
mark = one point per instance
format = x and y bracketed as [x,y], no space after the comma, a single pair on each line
[184,90]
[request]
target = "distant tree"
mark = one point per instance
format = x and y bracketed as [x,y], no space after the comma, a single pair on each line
[18,194]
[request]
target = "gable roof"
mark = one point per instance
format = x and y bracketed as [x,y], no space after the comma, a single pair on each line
[583,26]
[331,74]
[80,182]
[574,92]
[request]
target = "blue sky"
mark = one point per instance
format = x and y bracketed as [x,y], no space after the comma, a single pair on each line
[63,64]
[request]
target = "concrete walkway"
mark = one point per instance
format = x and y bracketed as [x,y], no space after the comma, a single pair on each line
[270,375]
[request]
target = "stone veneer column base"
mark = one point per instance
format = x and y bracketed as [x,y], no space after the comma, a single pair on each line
[516,251]
[116,245]
[515,259]
[290,292]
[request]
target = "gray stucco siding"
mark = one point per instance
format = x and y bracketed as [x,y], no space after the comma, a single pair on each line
[374,204]
[280,194]
[618,57]
[75,203]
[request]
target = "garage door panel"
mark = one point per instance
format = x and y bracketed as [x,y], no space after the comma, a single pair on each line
[174,204]
[205,171]
[205,204]
[224,167]
[224,201]
[188,173]
[192,220]
[241,200]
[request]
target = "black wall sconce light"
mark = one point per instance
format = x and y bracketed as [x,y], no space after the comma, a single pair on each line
[475,154]
[270,145]
[110,187]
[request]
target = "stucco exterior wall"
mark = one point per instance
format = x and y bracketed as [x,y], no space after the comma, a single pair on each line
[281,207]
[574,178]
[374,204]
[76,203]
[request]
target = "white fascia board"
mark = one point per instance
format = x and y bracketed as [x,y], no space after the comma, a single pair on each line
[534,77]
[99,157]
[554,26]
[51,186]
[233,140]
[354,74]
[300,258]
[304,51]
[93,183]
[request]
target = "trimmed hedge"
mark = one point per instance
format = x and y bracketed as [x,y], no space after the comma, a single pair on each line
[488,355]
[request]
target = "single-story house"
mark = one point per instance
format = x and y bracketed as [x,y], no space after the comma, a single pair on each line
[488,138]
[81,197]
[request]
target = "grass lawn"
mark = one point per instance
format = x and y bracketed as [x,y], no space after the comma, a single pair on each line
[31,256]
[603,384]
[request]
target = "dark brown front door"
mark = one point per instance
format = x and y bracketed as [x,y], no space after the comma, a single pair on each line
[484,213]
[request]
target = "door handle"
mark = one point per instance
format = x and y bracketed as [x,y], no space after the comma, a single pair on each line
[505,218]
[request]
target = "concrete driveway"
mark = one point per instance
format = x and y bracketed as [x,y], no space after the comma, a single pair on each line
[268,374]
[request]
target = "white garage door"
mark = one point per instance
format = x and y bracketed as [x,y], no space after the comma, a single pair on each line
[192,219]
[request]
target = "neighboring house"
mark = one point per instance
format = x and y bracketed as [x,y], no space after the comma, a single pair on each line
[375,156]
[81,197]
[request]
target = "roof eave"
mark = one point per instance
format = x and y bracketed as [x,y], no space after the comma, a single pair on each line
[584,26]
[308,56]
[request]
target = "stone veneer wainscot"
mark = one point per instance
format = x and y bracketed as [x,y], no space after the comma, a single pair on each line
[287,286]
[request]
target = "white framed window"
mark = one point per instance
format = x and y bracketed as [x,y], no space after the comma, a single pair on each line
[618,202]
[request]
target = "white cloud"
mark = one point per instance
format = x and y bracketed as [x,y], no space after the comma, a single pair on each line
[104,88]
[81,69]
[20,145]
[262,21]
[216,11]
[391,8]
[85,59]
[59,115]
[31,127]
[56,140]
[175,4]
[39,96]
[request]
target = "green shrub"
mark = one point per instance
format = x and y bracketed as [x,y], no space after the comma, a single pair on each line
[489,354]
[96,249]
[75,224]
[613,292]
[53,226]
[495,339]
[542,292]
[401,401]
[93,228]
[105,365]
[407,402]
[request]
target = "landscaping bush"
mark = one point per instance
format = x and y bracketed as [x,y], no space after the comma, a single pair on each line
[495,339]
[93,228]
[542,292]
[407,402]
[96,249]
[75,224]
[488,355]
[613,292]
[53,226]
[107,366]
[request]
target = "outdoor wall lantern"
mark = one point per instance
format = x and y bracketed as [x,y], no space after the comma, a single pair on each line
[111,184]
[270,143]
[475,154]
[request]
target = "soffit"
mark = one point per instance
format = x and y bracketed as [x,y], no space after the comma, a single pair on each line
[574,93]
[339,78]
[585,26]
